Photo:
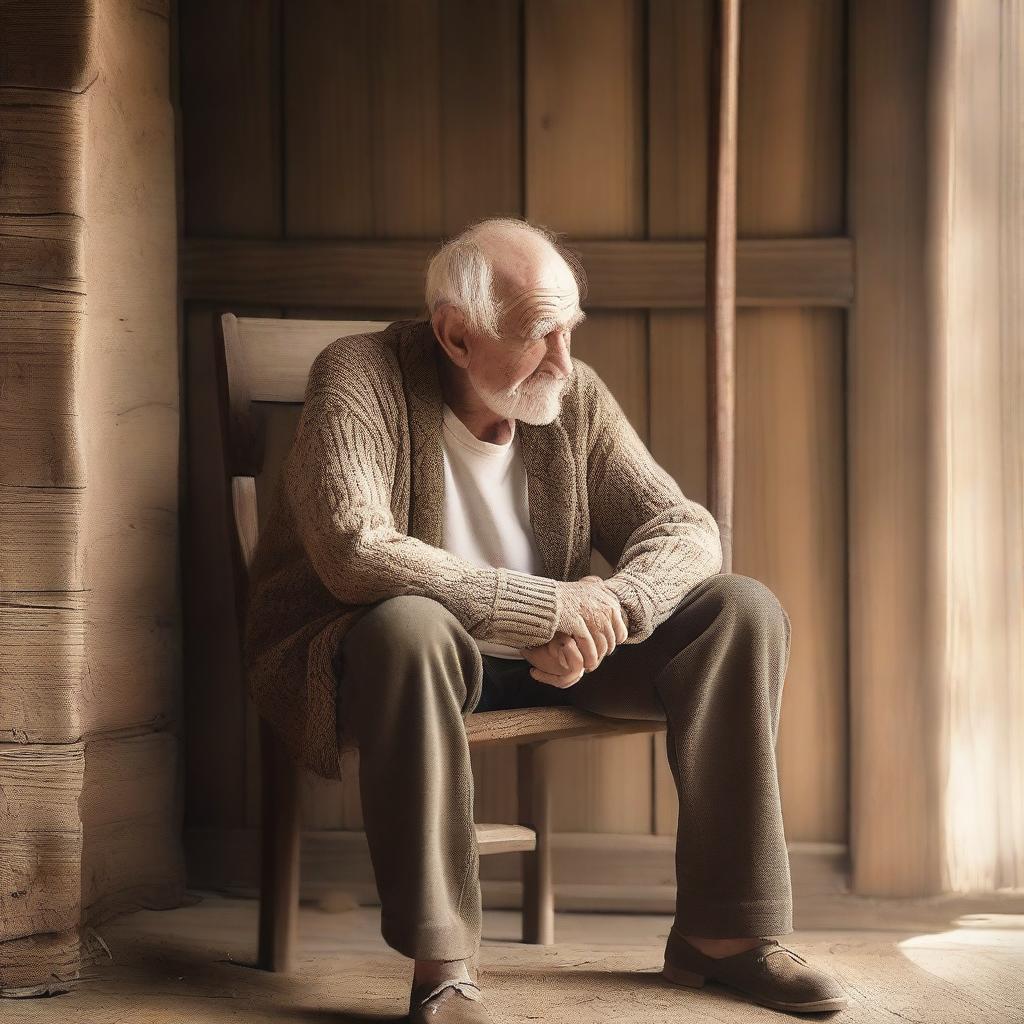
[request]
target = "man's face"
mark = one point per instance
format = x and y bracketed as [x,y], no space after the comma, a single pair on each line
[523,373]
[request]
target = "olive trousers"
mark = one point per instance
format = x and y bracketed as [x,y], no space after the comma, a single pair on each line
[409,673]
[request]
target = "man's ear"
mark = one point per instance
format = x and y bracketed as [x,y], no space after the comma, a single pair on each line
[450,330]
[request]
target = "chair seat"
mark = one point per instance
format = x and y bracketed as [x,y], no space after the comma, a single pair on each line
[531,725]
[534,724]
[497,837]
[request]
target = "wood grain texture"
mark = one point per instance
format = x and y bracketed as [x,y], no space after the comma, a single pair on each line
[790,474]
[43,610]
[584,117]
[789,362]
[679,41]
[42,830]
[584,129]
[230,99]
[976,436]
[622,274]
[895,835]
[47,45]
[43,133]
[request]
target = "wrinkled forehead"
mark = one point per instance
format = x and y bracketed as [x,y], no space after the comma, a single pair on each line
[546,297]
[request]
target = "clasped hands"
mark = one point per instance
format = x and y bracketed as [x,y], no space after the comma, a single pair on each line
[590,624]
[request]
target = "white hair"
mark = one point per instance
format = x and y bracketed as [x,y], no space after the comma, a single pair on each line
[460,272]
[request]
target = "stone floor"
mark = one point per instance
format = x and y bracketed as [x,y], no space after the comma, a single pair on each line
[934,961]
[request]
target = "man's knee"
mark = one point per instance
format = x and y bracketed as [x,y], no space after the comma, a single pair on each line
[406,623]
[751,600]
[394,642]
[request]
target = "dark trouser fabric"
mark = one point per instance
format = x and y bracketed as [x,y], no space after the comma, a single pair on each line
[408,674]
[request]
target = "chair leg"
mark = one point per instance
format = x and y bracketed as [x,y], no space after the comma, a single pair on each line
[532,761]
[279,867]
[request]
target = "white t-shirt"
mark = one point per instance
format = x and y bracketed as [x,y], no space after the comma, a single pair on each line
[487,512]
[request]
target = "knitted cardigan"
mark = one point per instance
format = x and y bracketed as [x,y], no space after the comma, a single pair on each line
[357,517]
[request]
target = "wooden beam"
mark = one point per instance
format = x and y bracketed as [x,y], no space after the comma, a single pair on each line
[621,274]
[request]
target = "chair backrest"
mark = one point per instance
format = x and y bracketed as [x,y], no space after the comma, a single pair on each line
[265,360]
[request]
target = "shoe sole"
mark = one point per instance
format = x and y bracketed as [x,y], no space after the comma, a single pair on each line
[681,976]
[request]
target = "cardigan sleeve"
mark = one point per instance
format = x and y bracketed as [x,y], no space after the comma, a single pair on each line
[661,543]
[338,483]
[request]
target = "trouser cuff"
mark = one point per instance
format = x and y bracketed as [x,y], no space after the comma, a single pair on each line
[430,942]
[734,920]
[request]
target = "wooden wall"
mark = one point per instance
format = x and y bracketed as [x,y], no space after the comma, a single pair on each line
[314,127]
[90,788]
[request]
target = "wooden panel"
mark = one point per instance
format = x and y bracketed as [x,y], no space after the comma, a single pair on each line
[678,441]
[230,71]
[329,112]
[381,160]
[584,117]
[364,153]
[790,456]
[679,40]
[621,274]
[791,118]
[678,68]
[895,842]
[789,363]
[585,169]
[481,104]
[790,528]
[231,117]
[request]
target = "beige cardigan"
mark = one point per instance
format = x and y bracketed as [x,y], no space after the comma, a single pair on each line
[357,518]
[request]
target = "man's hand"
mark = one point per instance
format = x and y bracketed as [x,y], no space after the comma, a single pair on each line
[590,622]
[557,662]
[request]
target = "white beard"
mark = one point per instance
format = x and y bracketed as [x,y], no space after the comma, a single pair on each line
[537,401]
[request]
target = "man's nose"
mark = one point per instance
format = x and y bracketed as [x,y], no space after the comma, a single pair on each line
[558,353]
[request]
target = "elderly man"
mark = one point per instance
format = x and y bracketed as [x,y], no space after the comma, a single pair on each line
[427,558]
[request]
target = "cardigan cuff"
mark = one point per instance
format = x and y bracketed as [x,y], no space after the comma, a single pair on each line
[525,609]
[636,607]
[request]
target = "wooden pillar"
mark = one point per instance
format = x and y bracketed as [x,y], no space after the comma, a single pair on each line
[89,630]
[895,700]
[720,270]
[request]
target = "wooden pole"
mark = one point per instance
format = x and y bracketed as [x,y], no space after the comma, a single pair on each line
[720,270]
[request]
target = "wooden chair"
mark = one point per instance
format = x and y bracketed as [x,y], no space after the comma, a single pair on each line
[268,360]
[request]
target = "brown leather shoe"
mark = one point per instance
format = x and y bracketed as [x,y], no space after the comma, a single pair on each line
[770,973]
[450,1002]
